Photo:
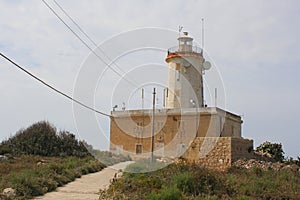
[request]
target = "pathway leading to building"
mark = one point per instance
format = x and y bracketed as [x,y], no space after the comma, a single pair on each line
[86,187]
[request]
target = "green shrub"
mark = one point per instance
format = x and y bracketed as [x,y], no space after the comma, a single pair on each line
[170,193]
[258,171]
[26,183]
[243,198]
[42,139]
[50,184]
[202,181]
[273,149]
[187,183]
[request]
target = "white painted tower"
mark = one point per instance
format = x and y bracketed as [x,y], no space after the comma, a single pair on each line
[185,70]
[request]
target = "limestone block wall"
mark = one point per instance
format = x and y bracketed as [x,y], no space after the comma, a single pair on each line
[218,153]
[241,148]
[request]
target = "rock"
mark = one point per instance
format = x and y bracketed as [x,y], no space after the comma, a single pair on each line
[41,162]
[265,165]
[293,168]
[9,193]
[2,157]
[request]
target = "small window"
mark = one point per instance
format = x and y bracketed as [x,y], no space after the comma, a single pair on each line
[177,75]
[139,148]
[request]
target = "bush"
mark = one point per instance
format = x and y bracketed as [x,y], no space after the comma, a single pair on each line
[42,139]
[274,150]
[187,183]
[170,193]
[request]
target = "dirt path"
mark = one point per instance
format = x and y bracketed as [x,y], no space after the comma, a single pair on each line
[86,187]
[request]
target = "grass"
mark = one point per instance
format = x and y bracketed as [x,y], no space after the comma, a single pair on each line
[188,181]
[35,175]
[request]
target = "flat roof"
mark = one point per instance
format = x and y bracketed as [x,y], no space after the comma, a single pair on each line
[173,111]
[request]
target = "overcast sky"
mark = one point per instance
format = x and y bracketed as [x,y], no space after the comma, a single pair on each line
[253,44]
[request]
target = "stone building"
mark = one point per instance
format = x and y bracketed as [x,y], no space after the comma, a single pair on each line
[185,127]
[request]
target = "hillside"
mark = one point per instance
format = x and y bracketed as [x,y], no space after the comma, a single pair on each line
[189,181]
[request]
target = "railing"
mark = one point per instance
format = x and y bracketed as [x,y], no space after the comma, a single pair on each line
[185,50]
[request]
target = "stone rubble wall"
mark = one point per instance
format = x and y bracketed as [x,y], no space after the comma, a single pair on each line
[219,153]
[266,165]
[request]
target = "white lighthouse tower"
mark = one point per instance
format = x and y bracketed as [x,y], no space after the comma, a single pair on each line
[185,69]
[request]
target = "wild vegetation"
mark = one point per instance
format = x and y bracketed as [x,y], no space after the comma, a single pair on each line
[273,150]
[35,175]
[39,159]
[189,181]
[42,139]
[184,180]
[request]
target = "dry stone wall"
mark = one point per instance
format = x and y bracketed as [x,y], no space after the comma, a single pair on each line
[218,153]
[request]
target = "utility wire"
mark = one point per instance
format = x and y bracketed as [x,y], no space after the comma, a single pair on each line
[77,25]
[133,83]
[85,44]
[88,37]
[53,88]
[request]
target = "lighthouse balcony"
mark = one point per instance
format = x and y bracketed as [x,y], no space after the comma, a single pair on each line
[186,50]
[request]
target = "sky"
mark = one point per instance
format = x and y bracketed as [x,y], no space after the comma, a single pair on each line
[252,44]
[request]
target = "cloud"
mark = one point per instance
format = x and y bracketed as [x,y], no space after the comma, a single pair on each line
[254,44]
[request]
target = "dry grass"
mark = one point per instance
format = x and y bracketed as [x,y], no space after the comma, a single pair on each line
[185,181]
[36,175]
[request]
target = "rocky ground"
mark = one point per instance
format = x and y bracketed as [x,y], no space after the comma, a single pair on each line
[265,165]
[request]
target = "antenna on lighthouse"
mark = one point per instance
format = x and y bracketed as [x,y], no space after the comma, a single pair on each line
[216,97]
[179,30]
[142,98]
[202,20]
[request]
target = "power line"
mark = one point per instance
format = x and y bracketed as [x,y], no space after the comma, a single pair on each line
[77,25]
[132,82]
[87,36]
[85,44]
[91,40]
[53,88]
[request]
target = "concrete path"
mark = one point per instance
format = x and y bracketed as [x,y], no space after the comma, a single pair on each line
[86,187]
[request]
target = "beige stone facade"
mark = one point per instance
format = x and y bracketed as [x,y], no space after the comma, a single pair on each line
[189,133]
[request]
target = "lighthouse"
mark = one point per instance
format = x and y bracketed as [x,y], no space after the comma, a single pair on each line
[185,127]
[185,75]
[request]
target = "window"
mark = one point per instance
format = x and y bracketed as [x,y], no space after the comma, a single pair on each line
[177,75]
[138,149]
